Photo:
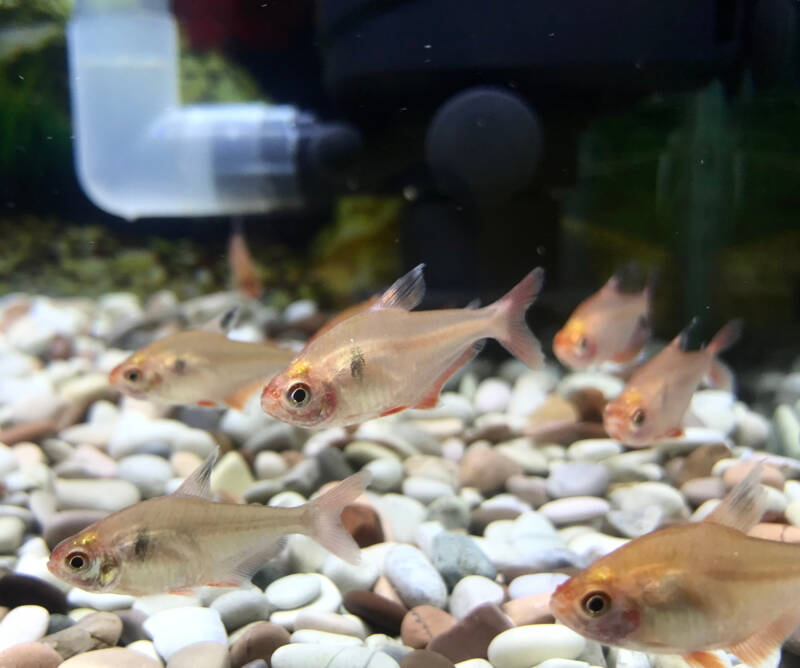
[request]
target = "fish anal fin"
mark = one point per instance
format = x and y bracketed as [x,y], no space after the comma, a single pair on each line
[182,591]
[392,411]
[756,650]
[240,568]
[720,376]
[675,432]
[704,660]
[238,399]
[744,505]
[431,397]
[198,483]
[230,582]
[405,293]
[207,403]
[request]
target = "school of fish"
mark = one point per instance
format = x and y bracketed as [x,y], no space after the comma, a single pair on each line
[688,589]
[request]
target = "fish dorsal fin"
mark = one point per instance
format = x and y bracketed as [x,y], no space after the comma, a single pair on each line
[757,649]
[744,505]
[199,481]
[405,293]
[622,278]
[474,304]
[682,340]
[224,322]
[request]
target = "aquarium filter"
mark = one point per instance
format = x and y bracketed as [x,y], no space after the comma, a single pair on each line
[139,152]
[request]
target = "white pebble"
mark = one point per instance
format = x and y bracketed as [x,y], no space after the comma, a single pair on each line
[324,638]
[80,598]
[535,583]
[175,628]
[472,591]
[25,623]
[293,591]
[526,646]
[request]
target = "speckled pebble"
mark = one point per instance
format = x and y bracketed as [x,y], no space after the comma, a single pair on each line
[416,580]
[456,556]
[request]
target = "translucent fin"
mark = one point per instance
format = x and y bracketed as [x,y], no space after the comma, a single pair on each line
[405,293]
[326,521]
[244,569]
[704,660]
[623,276]
[726,337]
[432,396]
[223,323]
[682,340]
[199,481]
[473,304]
[238,399]
[757,649]
[744,505]
[721,376]
[636,343]
[513,332]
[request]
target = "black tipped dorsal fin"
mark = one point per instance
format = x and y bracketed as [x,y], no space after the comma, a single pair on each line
[405,293]
[682,340]
[199,481]
[744,505]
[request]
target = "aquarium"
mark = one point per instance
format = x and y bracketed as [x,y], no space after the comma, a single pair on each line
[399,334]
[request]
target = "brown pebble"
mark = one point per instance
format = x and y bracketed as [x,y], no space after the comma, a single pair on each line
[114,657]
[383,587]
[184,463]
[770,475]
[67,523]
[363,524]
[200,655]
[486,469]
[699,462]
[470,638]
[533,609]
[589,402]
[700,490]
[292,457]
[423,623]
[422,658]
[259,641]
[95,631]
[784,533]
[530,489]
[384,615]
[554,409]
[30,655]
[565,432]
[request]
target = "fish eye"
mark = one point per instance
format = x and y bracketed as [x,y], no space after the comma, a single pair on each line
[132,375]
[596,603]
[77,560]
[299,395]
[583,344]
[638,417]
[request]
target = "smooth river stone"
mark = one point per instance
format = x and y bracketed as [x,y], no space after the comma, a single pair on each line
[117,657]
[30,655]
[201,655]
[470,637]
[93,631]
[332,622]
[258,641]
[577,479]
[349,577]
[638,495]
[293,591]
[318,637]
[526,646]
[380,612]
[387,474]
[329,600]
[456,556]
[473,591]
[175,628]
[422,623]
[80,598]
[240,607]
[594,449]
[12,529]
[575,509]
[26,623]
[150,473]
[535,583]
[415,579]
[302,655]
[106,495]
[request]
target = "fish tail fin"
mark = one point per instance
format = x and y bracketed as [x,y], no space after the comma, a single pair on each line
[326,517]
[727,336]
[512,330]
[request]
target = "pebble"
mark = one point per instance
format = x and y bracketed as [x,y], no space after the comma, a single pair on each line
[113,656]
[535,583]
[700,490]
[532,460]
[423,623]
[26,623]
[452,512]
[258,641]
[575,509]
[363,523]
[526,646]
[472,591]
[329,600]
[293,591]
[609,385]
[93,631]
[594,449]
[240,607]
[332,622]
[201,655]
[386,472]
[770,475]
[80,598]
[403,515]
[421,658]
[149,473]
[415,579]
[637,522]
[175,628]
[425,490]
[30,655]
[269,464]
[577,479]
[378,611]
[471,636]
[713,409]
[12,529]
[146,648]
[106,495]
[492,396]
[485,469]
[531,609]
[325,638]
[637,495]
[331,656]
[232,474]
[349,577]
[456,556]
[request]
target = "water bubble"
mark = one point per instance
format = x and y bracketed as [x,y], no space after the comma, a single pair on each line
[410,193]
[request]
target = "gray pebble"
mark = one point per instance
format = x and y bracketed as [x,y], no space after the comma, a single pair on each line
[578,479]
[240,607]
[272,436]
[387,474]
[304,478]
[148,472]
[472,591]
[333,465]
[415,579]
[452,512]
[456,556]
[262,491]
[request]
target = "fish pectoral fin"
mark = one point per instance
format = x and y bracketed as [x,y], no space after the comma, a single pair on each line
[744,505]
[199,481]
[392,411]
[636,343]
[239,398]
[207,403]
[676,432]
[704,660]
[756,650]
[431,397]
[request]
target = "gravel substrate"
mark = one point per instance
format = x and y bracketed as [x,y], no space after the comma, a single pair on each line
[476,511]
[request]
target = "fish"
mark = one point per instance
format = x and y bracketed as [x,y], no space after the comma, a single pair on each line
[653,402]
[692,589]
[185,540]
[243,268]
[199,367]
[611,325]
[387,358]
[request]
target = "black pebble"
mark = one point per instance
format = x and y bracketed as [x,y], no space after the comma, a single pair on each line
[17,589]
